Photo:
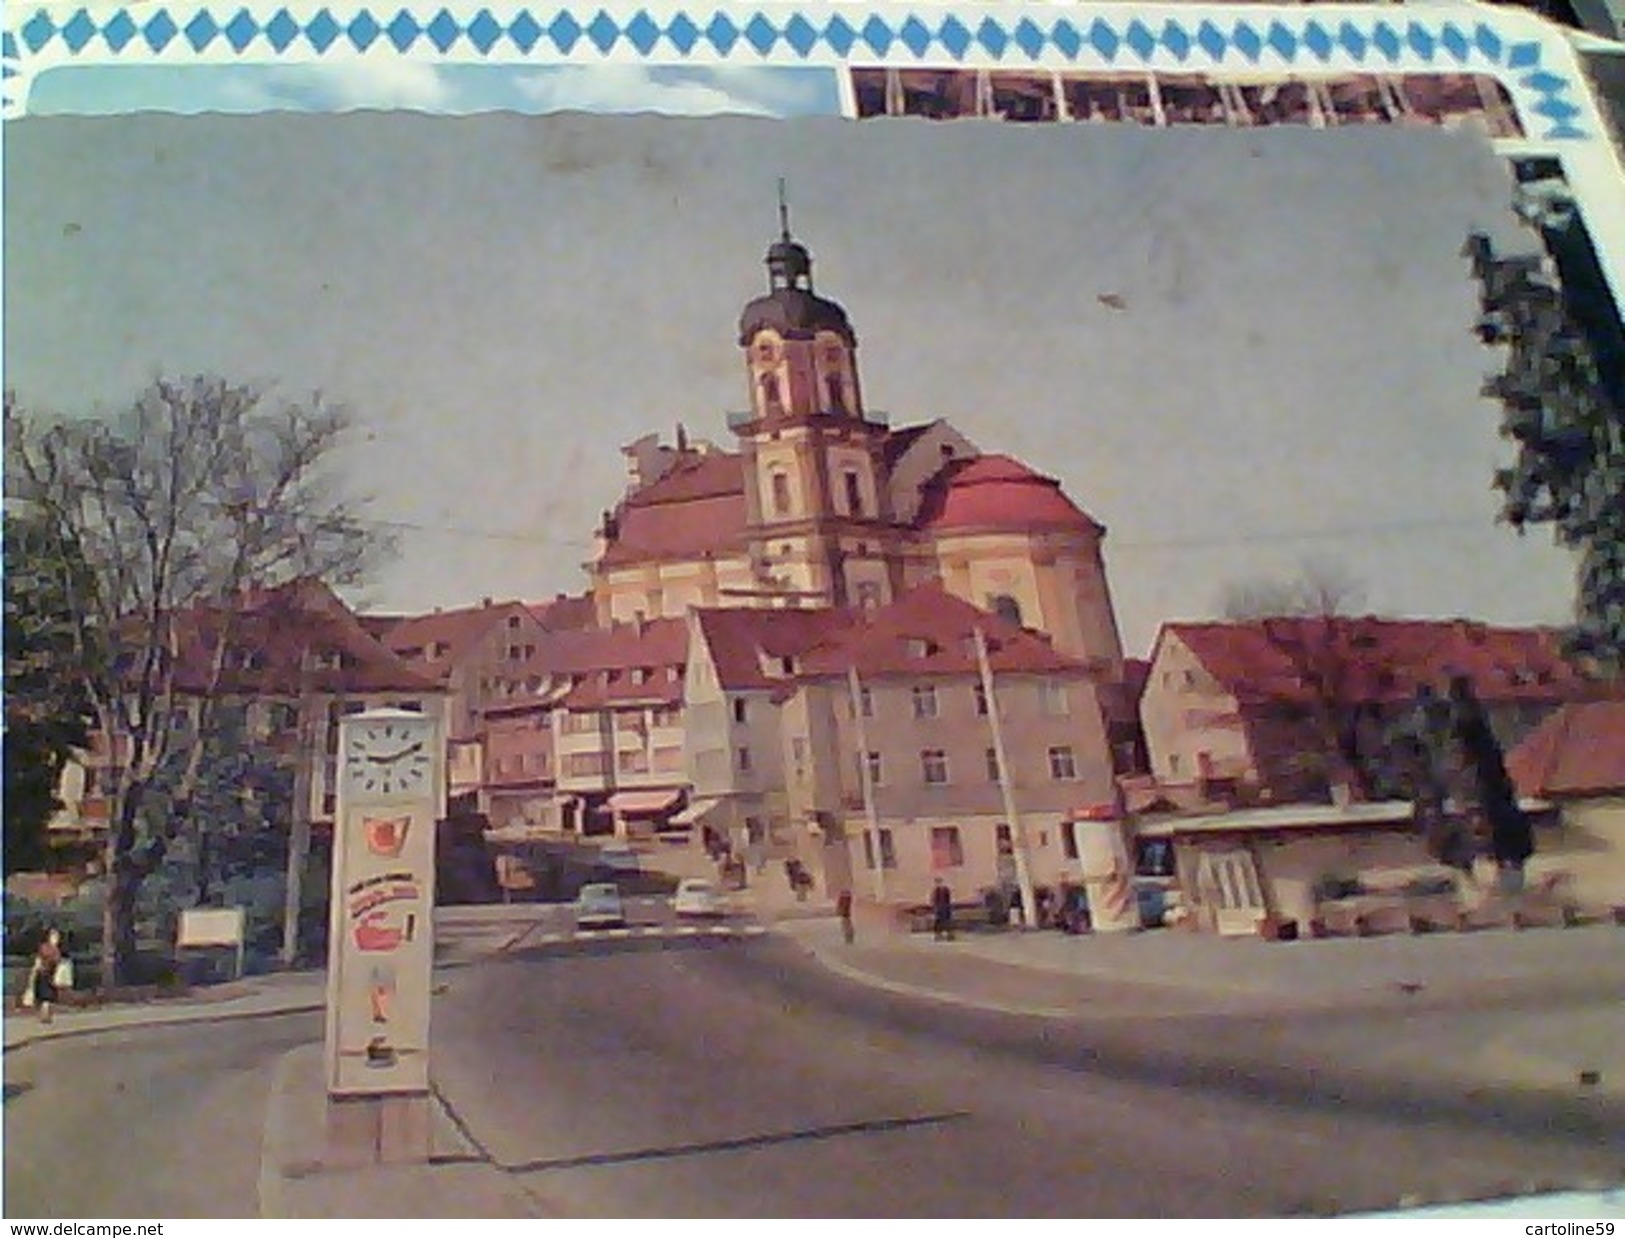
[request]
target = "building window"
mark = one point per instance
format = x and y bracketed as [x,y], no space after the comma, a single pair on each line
[866,702]
[667,715]
[798,749]
[981,699]
[1173,763]
[925,701]
[934,766]
[854,492]
[888,851]
[868,595]
[1062,766]
[584,764]
[1069,840]
[868,849]
[329,803]
[739,709]
[1005,607]
[633,761]
[874,769]
[668,760]
[1055,702]
[769,385]
[837,395]
[1154,858]
[992,764]
[743,755]
[580,723]
[781,494]
[1003,841]
[946,851]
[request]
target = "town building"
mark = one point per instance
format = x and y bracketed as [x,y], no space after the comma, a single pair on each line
[1573,765]
[468,651]
[861,743]
[296,660]
[1275,710]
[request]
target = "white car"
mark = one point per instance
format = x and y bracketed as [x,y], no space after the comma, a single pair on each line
[599,906]
[698,897]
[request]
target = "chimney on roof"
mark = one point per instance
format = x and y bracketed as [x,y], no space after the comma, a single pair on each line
[486,603]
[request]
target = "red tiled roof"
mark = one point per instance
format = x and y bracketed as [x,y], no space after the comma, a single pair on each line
[565,612]
[1579,750]
[456,631]
[698,508]
[280,626]
[681,530]
[696,476]
[888,641]
[998,492]
[738,638]
[1375,660]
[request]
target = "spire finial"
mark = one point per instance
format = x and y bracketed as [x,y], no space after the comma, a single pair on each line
[784,212]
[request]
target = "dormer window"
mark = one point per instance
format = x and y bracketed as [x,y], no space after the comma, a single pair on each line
[787,666]
[919,647]
[639,675]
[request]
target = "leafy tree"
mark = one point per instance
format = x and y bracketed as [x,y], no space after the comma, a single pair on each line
[48,715]
[199,491]
[1562,397]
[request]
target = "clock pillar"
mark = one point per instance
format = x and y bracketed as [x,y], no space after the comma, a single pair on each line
[381,938]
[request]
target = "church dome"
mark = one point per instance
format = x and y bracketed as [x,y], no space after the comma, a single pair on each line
[999,494]
[791,307]
[794,313]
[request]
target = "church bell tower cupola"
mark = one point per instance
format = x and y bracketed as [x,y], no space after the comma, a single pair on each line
[800,349]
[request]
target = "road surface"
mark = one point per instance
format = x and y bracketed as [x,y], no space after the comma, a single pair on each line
[657,1074]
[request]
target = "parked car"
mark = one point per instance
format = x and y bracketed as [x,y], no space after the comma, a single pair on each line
[697,897]
[599,906]
[620,858]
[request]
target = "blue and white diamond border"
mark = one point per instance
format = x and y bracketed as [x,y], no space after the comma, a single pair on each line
[1532,59]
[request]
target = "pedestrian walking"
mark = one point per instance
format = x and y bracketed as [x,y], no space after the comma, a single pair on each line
[50,973]
[942,911]
[843,908]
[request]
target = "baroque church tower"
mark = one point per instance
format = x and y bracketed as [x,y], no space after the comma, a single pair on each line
[819,523]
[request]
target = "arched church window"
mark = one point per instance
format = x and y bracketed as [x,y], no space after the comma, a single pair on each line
[836,385]
[781,494]
[770,394]
[854,492]
[1005,607]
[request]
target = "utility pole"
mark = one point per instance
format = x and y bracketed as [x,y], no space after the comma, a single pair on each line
[293,886]
[866,780]
[1018,836]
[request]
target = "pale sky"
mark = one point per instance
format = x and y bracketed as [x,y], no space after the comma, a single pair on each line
[507,300]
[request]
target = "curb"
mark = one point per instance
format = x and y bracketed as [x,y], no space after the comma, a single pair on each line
[178,1020]
[873,981]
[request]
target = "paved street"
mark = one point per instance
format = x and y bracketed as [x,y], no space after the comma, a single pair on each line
[660,1073]
[148,1123]
[734,1080]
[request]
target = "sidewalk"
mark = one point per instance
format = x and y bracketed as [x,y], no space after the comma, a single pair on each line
[1105,978]
[459,1182]
[463,935]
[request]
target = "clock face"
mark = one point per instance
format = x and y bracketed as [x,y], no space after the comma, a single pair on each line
[388,758]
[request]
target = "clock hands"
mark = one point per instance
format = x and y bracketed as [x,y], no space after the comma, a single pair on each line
[392,757]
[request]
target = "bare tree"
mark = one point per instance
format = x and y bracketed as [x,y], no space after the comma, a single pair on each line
[1308,623]
[1320,589]
[200,490]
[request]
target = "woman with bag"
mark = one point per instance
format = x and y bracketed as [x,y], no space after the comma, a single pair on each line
[51,972]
